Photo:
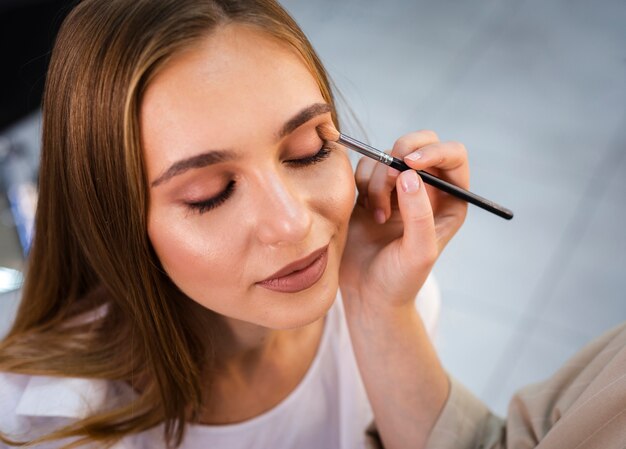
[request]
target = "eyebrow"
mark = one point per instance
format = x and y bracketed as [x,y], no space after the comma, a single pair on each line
[304,116]
[217,156]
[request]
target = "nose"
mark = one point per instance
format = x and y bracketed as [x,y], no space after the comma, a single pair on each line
[283,215]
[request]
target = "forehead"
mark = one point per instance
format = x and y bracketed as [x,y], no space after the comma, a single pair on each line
[234,85]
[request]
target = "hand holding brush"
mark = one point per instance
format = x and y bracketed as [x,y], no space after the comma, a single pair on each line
[329,133]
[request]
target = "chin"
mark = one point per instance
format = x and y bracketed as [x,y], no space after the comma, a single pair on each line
[281,311]
[290,312]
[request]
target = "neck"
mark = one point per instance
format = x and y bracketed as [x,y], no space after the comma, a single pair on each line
[256,368]
[240,344]
[244,346]
[250,368]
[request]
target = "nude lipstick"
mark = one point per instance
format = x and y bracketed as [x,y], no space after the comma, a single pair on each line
[299,275]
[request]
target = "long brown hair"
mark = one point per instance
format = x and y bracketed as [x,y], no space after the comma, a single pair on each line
[90,249]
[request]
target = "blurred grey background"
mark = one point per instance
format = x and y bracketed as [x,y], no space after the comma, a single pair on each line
[536,90]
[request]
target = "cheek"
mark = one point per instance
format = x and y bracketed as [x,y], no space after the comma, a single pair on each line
[187,253]
[170,240]
[339,192]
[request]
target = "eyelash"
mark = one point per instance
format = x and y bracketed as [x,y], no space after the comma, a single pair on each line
[212,203]
[322,154]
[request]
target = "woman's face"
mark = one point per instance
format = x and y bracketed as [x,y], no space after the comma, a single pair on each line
[238,186]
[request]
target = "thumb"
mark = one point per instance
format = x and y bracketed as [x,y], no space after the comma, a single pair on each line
[418,248]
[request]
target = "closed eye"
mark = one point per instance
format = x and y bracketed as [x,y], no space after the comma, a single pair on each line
[206,205]
[322,154]
[212,203]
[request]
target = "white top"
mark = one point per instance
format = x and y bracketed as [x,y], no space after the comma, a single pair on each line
[328,409]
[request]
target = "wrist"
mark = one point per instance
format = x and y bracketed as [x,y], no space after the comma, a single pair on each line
[377,314]
[374,302]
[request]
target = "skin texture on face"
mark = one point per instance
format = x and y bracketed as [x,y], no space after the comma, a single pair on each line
[234,92]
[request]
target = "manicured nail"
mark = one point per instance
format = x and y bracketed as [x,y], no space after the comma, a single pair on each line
[379,216]
[410,181]
[414,156]
[391,171]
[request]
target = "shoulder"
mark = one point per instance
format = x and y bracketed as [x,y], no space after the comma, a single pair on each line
[593,377]
[30,404]
[12,388]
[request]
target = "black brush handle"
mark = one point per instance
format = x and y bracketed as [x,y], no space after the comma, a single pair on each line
[456,191]
[434,181]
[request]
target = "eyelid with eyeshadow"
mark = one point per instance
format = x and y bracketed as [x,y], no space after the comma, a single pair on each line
[206,205]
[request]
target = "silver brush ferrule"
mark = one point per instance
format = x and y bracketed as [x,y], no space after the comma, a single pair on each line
[365,149]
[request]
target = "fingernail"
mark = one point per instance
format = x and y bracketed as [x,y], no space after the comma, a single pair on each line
[379,216]
[414,156]
[391,171]
[410,182]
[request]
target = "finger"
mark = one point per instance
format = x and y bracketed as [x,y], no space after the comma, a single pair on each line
[449,222]
[384,178]
[418,248]
[450,157]
[412,141]
[362,176]
[381,184]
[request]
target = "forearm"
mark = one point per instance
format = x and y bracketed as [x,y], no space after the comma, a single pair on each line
[405,382]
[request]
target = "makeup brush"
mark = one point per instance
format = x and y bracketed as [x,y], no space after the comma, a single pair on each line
[329,133]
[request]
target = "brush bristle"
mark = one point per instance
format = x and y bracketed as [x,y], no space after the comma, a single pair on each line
[328,132]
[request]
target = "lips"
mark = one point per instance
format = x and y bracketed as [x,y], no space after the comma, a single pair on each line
[299,275]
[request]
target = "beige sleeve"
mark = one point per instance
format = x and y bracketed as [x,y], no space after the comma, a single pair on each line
[466,423]
[583,405]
